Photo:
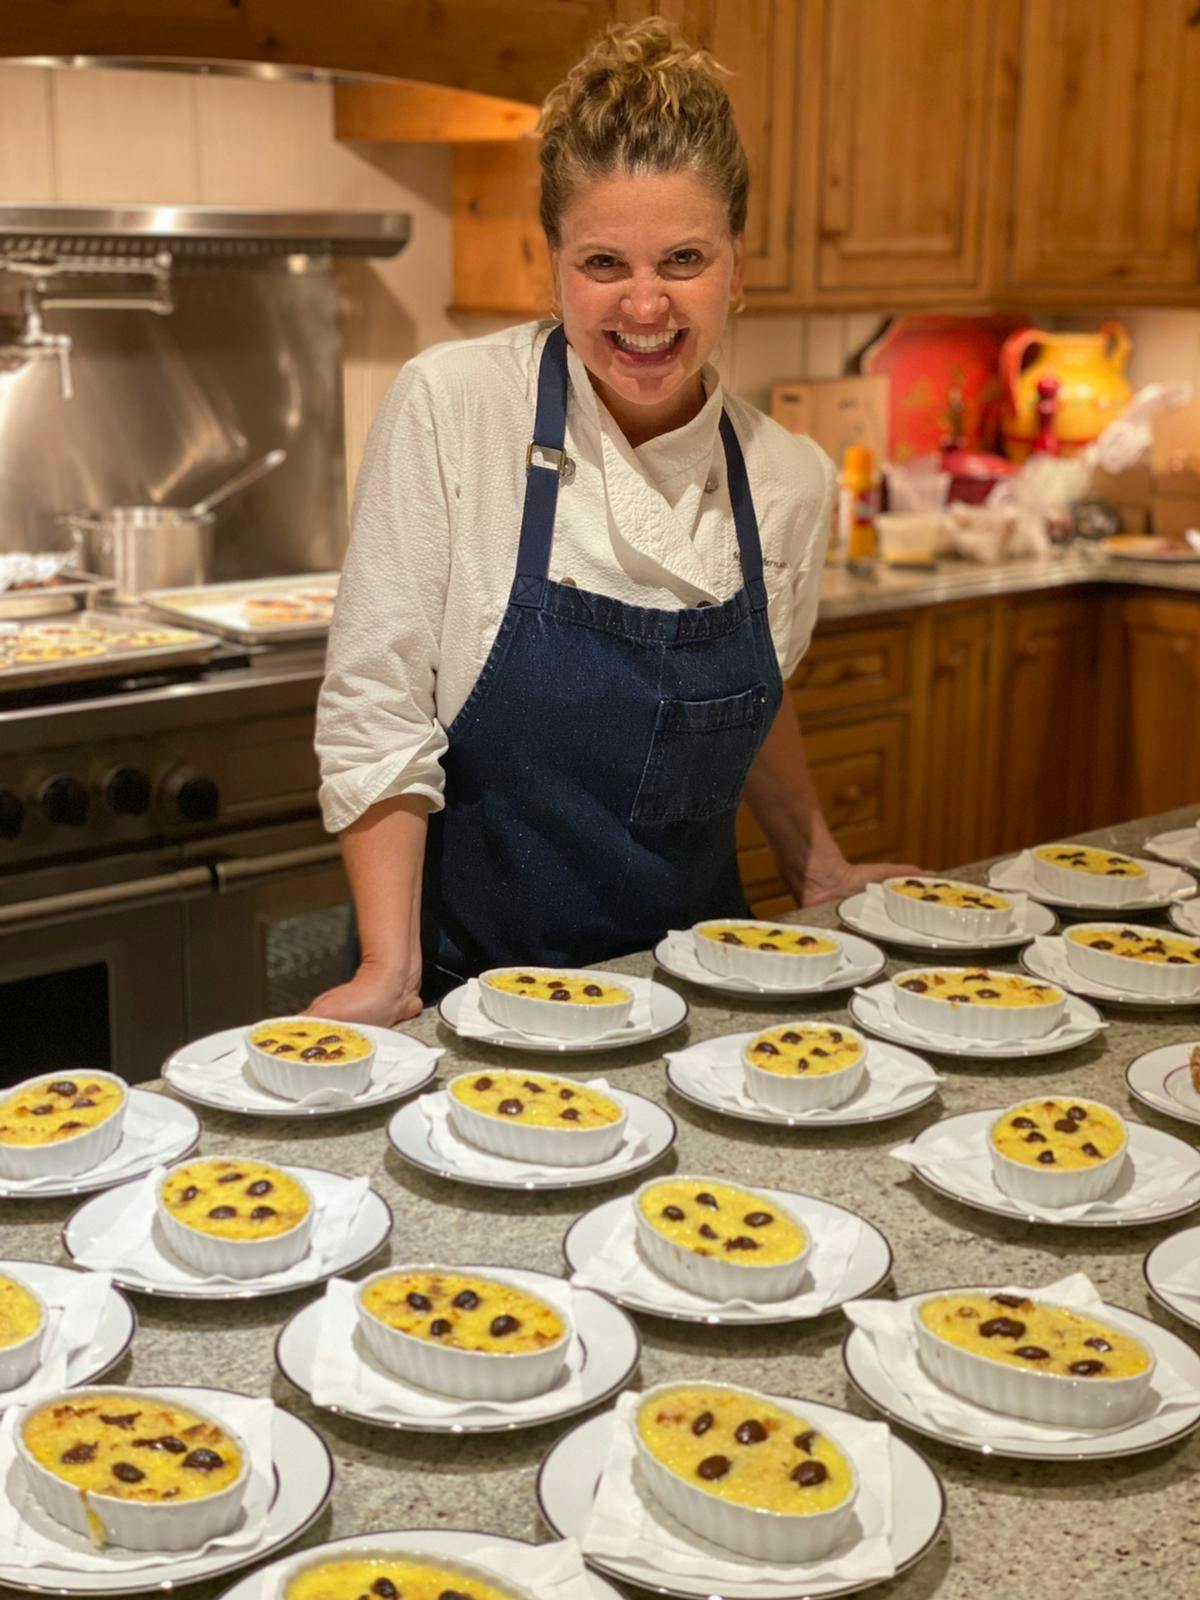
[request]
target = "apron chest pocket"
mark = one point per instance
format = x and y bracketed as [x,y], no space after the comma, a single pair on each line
[700,756]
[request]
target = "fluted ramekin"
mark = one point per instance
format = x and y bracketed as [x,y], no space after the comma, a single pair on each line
[80,1153]
[366,1551]
[773,969]
[749,1530]
[1054,1186]
[1049,1397]
[796,1091]
[522,1141]
[555,1019]
[946,922]
[234,1258]
[292,1079]
[134,1524]
[19,1362]
[467,1374]
[713,1277]
[1088,888]
[995,1023]
[1158,979]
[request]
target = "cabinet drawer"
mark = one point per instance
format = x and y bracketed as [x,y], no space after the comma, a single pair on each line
[862,667]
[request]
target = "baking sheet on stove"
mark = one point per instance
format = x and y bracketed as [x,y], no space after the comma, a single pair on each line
[51,599]
[111,650]
[229,608]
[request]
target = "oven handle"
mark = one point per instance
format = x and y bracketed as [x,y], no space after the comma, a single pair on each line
[162,886]
[246,869]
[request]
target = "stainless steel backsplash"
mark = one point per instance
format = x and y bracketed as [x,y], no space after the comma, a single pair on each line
[167,407]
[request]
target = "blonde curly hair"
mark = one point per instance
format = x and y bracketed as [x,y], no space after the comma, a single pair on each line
[643,101]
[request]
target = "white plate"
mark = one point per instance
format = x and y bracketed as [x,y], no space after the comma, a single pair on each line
[872,1382]
[1161,1080]
[1145,1144]
[248,1098]
[183,1127]
[455,1543]
[371,1231]
[303,1481]
[668,1011]
[857,913]
[114,1331]
[1179,846]
[1005,874]
[409,1135]
[566,1488]
[867,961]
[589,1233]
[1186,917]
[944,1044]
[611,1345]
[1034,962]
[1163,1262]
[861,1107]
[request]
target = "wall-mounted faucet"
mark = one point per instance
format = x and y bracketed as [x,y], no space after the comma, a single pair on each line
[33,342]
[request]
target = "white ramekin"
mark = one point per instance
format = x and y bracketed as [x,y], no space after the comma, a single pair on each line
[1049,1397]
[234,1258]
[796,1092]
[761,1535]
[1088,888]
[945,922]
[715,1277]
[555,1019]
[366,1551]
[135,1525]
[19,1362]
[292,1079]
[1052,1186]
[78,1154]
[773,969]
[466,1374]
[556,1147]
[1122,972]
[971,1021]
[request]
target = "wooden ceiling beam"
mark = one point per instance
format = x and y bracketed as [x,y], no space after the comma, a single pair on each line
[427,113]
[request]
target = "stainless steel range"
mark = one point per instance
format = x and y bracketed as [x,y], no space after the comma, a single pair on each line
[163,871]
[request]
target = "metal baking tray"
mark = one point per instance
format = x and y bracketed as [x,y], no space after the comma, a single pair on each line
[117,662]
[220,607]
[54,599]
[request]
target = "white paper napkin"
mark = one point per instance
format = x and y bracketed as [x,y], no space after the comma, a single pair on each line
[131,1243]
[962,1161]
[875,912]
[30,1537]
[73,1311]
[620,1269]
[347,1375]
[1188,914]
[1020,873]
[681,950]
[628,1524]
[715,1067]
[889,1326]
[549,1571]
[472,1023]
[229,1080]
[1185,1282]
[461,1153]
[881,1011]
[144,1137]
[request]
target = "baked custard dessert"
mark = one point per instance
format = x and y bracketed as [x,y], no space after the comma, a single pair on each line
[1035,1336]
[763,936]
[389,1577]
[975,1003]
[237,1200]
[576,989]
[312,1040]
[536,1100]
[52,1110]
[961,896]
[978,987]
[20,1314]
[556,1002]
[1139,944]
[714,1219]
[805,1049]
[1086,859]
[466,1313]
[1065,1134]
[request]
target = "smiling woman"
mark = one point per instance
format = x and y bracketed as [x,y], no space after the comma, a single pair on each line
[560,642]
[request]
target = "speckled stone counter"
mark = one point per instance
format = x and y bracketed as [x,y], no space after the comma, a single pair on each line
[1125,1528]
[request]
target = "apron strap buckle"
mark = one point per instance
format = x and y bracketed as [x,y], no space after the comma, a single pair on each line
[551,460]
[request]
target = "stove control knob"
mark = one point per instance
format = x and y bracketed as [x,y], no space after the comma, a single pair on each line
[65,802]
[191,797]
[127,792]
[12,814]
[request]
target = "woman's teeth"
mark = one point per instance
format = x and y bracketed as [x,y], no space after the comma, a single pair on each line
[647,342]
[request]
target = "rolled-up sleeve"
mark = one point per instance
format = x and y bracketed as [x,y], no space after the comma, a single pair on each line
[377,732]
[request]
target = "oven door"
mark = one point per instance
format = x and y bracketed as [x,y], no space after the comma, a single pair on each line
[278,931]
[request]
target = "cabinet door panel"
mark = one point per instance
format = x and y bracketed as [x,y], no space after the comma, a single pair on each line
[858,773]
[844,670]
[1159,652]
[960,734]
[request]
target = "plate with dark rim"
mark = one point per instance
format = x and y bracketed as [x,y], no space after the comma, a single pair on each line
[1170,1255]
[867,961]
[132,1158]
[1162,1080]
[856,913]
[1103,994]
[1083,1015]
[113,1333]
[668,1011]
[1007,874]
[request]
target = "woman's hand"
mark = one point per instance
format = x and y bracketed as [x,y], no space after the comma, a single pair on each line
[842,878]
[371,996]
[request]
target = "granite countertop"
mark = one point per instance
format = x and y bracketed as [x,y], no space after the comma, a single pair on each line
[845,595]
[1124,1528]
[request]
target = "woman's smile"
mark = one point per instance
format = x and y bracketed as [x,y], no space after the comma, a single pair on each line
[647,349]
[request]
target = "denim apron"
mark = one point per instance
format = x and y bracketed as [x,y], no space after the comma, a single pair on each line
[594,773]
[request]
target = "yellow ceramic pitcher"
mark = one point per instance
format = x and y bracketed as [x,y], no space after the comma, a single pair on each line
[1090,368]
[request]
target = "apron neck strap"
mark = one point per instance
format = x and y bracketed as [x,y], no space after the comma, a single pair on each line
[744,519]
[544,461]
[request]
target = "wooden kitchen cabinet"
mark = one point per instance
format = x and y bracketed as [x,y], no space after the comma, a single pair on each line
[959,730]
[1153,694]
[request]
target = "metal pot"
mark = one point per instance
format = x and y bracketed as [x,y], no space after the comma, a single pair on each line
[143,547]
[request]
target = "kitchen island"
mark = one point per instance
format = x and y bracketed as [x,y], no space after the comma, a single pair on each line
[1124,1528]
